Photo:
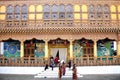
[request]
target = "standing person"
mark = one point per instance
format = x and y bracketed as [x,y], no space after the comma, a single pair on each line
[74,72]
[63,68]
[60,71]
[52,62]
[46,67]
[69,64]
[56,60]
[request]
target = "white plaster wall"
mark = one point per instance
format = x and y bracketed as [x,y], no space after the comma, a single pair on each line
[1,48]
[81,70]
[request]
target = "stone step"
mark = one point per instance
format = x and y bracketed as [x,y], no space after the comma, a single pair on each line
[54,73]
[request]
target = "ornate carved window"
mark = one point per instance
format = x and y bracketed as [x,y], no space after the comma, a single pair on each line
[2,12]
[106,11]
[24,12]
[46,10]
[91,12]
[91,8]
[98,12]
[54,12]
[61,12]
[10,11]
[17,12]
[69,12]
[99,9]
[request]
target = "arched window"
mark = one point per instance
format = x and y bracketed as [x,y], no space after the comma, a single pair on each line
[69,12]
[24,9]
[39,14]
[46,10]
[99,9]
[17,12]
[69,8]
[119,12]
[113,12]
[24,12]
[54,12]
[106,11]
[61,11]
[2,12]
[10,10]
[32,12]
[91,12]
[99,12]
[54,8]
[91,8]
[84,9]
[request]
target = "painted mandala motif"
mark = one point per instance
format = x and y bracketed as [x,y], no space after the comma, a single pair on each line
[12,49]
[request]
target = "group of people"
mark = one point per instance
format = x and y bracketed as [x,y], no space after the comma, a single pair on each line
[62,71]
[62,67]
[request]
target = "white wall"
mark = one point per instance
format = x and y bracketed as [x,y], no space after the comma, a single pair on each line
[1,48]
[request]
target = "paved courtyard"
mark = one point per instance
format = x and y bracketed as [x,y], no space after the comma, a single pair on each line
[85,77]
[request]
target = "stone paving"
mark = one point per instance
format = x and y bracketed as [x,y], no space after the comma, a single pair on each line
[85,77]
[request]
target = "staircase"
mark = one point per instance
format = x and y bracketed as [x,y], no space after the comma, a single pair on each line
[49,73]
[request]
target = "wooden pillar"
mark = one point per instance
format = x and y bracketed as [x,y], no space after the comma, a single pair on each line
[46,49]
[22,49]
[95,48]
[71,50]
[118,48]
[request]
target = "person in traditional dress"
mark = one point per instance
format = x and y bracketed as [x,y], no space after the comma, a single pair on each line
[60,72]
[74,72]
[69,64]
[63,68]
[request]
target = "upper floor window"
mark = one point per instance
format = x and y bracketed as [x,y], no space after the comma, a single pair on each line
[106,9]
[24,12]
[91,8]
[2,12]
[17,12]
[99,9]
[10,11]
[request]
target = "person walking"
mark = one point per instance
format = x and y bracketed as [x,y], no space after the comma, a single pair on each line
[74,72]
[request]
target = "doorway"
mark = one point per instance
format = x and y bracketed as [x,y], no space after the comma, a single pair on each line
[61,51]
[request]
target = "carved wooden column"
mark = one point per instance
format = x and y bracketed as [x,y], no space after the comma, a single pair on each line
[22,49]
[46,49]
[118,48]
[95,48]
[71,49]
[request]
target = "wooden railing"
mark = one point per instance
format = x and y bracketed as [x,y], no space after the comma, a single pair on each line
[98,61]
[25,61]
[81,61]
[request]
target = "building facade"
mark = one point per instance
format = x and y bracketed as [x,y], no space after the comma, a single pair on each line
[72,28]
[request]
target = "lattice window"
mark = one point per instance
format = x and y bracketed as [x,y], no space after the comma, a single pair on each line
[69,12]
[10,11]
[55,10]
[17,12]
[24,12]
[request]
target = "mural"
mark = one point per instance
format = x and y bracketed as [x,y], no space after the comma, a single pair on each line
[12,49]
[77,50]
[39,50]
[105,48]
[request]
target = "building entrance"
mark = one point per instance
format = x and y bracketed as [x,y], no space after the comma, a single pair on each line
[59,48]
[59,52]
